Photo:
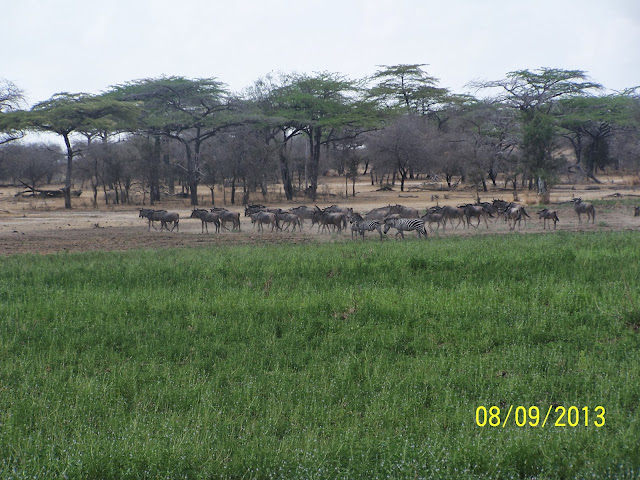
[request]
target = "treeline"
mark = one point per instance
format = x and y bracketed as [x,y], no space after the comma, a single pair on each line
[175,133]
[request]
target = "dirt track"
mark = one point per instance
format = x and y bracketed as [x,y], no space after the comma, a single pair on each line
[39,226]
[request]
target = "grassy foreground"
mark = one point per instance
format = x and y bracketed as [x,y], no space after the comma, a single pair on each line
[324,361]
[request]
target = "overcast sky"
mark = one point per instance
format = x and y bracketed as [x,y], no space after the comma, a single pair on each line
[87,46]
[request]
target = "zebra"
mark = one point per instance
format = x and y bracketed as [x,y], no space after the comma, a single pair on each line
[360,225]
[405,224]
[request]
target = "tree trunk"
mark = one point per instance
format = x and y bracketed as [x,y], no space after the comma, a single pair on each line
[315,137]
[285,173]
[192,178]
[233,190]
[492,176]
[154,180]
[67,183]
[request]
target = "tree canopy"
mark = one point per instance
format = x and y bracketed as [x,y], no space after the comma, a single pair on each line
[196,130]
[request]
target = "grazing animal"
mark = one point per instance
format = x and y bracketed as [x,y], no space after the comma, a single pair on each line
[584,207]
[337,209]
[476,211]
[636,212]
[228,216]
[303,212]
[436,218]
[265,217]
[151,215]
[450,213]
[404,212]
[170,217]
[500,205]
[251,209]
[289,219]
[206,217]
[379,213]
[490,208]
[325,219]
[359,225]
[405,225]
[551,215]
[514,213]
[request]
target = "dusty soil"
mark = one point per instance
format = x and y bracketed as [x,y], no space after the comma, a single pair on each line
[35,225]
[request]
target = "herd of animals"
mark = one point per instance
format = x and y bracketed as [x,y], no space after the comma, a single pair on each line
[336,218]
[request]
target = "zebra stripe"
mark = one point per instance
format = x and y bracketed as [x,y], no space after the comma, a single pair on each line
[361,226]
[405,225]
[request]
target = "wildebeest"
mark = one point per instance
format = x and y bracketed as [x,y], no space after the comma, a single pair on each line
[379,213]
[636,212]
[228,216]
[436,218]
[206,217]
[499,204]
[152,216]
[337,209]
[551,215]
[325,219]
[250,209]
[513,214]
[170,217]
[404,212]
[449,212]
[265,217]
[584,207]
[490,208]
[405,225]
[476,211]
[289,219]
[303,212]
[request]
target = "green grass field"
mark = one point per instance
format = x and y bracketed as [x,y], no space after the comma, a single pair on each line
[348,360]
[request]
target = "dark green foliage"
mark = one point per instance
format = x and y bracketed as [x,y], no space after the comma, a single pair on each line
[321,361]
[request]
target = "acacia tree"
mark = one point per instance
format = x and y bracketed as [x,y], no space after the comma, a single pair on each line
[625,147]
[11,97]
[275,130]
[534,94]
[67,114]
[185,110]
[589,124]
[326,108]
[406,87]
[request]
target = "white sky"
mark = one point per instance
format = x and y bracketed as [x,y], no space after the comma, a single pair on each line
[87,46]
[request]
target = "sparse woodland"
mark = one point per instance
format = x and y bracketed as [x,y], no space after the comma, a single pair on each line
[180,136]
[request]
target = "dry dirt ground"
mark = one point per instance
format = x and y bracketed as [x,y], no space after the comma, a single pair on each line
[43,226]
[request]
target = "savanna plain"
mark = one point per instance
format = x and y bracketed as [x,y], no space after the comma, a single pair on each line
[247,355]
